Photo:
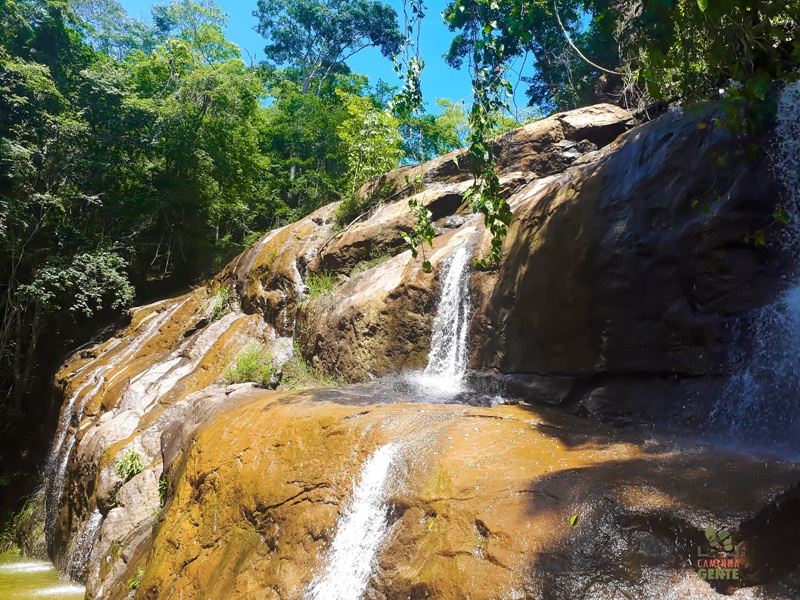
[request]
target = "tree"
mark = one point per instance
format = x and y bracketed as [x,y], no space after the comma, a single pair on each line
[111,30]
[371,141]
[200,24]
[314,38]
[636,52]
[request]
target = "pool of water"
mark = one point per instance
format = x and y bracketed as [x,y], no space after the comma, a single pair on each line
[25,578]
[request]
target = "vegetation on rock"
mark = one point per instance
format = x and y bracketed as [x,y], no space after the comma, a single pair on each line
[254,363]
[135,154]
[320,284]
[129,465]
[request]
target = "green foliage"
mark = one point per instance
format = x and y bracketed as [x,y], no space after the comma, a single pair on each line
[408,104]
[561,79]
[375,258]
[320,284]
[220,304]
[198,23]
[488,64]
[129,465]
[692,50]
[635,53]
[135,582]
[253,363]
[82,286]
[111,30]
[314,38]
[130,153]
[422,233]
[370,141]
[573,520]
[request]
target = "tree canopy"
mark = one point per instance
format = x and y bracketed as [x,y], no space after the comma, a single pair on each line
[316,37]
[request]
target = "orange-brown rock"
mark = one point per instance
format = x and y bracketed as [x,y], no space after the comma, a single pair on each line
[479,504]
[622,270]
[380,321]
[269,278]
[632,262]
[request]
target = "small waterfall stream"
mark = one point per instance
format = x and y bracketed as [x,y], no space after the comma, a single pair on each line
[80,548]
[58,461]
[447,361]
[445,374]
[359,533]
[348,564]
[759,405]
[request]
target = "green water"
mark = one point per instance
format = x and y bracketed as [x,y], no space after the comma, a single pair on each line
[25,578]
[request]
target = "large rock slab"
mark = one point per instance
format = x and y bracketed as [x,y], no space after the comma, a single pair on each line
[479,504]
[632,262]
[380,321]
[621,274]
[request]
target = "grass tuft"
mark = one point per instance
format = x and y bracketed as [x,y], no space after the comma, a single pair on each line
[320,284]
[253,363]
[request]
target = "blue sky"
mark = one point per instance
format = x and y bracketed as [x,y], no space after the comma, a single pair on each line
[438,80]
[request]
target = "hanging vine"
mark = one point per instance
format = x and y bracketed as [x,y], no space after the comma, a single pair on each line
[408,104]
[488,63]
[490,90]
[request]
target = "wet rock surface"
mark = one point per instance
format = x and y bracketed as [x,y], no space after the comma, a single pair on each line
[479,504]
[621,275]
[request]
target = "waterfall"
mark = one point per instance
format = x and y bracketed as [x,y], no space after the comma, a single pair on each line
[359,533]
[58,461]
[81,545]
[759,404]
[447,360]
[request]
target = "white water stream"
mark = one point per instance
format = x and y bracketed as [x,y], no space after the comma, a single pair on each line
[80,547]
[348,564]
[58,461]
[445,374]
[759,405]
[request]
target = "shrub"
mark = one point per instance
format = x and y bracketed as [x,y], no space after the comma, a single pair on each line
[253,363]
[129,466]
[320,284]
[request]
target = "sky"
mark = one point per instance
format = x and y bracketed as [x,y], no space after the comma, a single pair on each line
[438,80]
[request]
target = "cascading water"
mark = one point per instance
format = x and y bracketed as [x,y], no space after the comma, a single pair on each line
[81,547]
[58,461]
[759,405]
[359,533]
[445,374]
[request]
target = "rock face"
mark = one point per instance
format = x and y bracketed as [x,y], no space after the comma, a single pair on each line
[633,262]
[478,505]
[621,275]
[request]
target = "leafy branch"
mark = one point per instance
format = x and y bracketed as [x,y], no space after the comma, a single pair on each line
[406,104]
[490,89]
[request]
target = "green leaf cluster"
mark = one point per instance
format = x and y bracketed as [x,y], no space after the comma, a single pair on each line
[371,141]
[129,465]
